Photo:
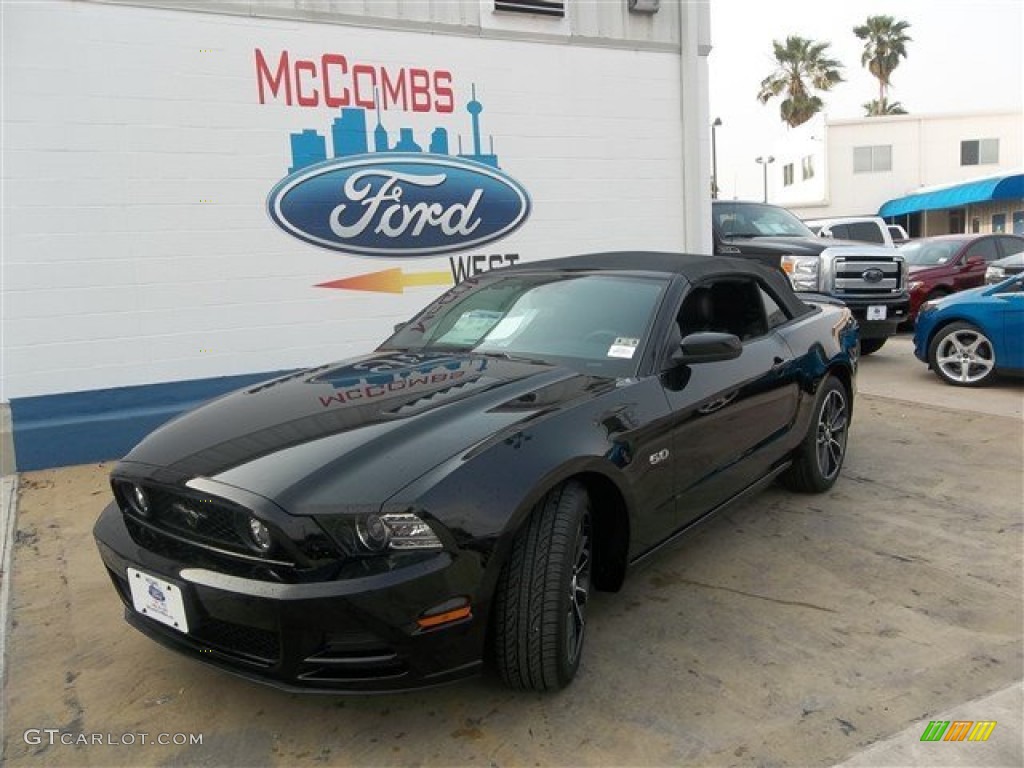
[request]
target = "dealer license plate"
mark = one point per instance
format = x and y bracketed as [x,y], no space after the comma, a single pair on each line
[158,599]
[876,312]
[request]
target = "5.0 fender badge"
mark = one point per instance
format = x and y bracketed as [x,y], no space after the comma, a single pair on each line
[660,456]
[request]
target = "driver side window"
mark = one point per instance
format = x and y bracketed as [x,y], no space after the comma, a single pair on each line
[737,306]
[984,249]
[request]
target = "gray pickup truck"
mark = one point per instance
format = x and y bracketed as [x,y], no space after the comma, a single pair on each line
[869,279]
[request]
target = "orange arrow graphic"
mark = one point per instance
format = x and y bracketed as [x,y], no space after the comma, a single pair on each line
[389,281]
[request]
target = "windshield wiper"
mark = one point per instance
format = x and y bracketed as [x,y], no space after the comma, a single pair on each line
[509,356]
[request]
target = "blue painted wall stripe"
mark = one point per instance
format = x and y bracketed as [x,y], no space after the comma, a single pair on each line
[103,424]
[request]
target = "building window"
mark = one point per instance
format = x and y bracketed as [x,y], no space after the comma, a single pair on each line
[872,159]
[787,174]
[999,222]
[979,152]
[539,7]
[976,224]
[1018,222]
[807,167]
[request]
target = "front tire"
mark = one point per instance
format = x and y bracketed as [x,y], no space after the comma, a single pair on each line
[961,355]
[541,596]
[820,456]
[870,346]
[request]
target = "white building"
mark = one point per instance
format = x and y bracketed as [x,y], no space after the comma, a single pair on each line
[854,167]
[163,236]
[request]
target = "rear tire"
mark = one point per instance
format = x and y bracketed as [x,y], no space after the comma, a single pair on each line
[541,596]
[870,346]
[819,458]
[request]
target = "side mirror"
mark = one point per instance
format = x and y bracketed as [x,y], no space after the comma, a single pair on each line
[707,347]
[399,326]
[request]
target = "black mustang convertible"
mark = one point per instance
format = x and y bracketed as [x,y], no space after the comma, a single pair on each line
[396,520]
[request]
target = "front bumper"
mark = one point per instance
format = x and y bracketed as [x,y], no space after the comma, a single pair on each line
[351,635]
[923,326]
[896,312]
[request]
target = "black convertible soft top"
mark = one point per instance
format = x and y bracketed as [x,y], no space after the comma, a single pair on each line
[693,267]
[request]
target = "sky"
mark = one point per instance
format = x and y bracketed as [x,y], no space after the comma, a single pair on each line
[966,55]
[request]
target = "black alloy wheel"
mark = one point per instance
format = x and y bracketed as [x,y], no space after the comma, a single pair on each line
[818,460]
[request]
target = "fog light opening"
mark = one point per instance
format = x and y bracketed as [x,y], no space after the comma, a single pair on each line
[260,535]
[138,500]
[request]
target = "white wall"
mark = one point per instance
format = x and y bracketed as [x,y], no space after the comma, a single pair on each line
[925,152]
[137,161]
[604,21]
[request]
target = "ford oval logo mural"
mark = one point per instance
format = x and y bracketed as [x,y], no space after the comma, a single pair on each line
[399,205]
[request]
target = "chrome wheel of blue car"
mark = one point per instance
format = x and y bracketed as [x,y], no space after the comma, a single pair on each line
[961,355]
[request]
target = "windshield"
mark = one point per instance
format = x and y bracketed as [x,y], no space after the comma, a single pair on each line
[595,323]
[757,220]
[924,254]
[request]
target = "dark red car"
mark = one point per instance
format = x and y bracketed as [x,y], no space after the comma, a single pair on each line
[946,264]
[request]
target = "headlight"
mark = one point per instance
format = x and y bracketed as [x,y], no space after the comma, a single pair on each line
[372,533]
[409,532]
[802,271]
[375,533]
[994,274]
[928,306]
[915,284]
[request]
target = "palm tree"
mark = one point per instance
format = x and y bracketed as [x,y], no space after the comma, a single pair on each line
[802,69]
[876,108]
[885,43]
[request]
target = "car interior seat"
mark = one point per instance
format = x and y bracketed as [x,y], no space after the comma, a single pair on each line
[697,312]
[737,309]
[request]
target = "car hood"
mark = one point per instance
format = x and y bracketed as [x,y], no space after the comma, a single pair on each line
[362,428]
[970,296]
[807,246]
[799,246]
[1014,261]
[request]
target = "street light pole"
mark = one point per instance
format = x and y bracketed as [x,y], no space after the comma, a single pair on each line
[714,160]
[764,161]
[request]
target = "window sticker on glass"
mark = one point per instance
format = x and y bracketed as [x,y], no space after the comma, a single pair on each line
[471,327]
[623,347]
[510,325]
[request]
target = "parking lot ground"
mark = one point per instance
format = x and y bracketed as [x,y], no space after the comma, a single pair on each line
[894,372]
[789,631]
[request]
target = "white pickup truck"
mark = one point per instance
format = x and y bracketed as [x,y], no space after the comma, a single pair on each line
[865,229]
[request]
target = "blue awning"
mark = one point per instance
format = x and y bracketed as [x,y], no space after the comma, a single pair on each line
[997,188]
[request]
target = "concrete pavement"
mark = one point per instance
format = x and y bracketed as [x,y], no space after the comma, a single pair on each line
[1005,707]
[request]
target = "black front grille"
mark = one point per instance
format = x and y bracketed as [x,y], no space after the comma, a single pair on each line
[248,643]
[199,518]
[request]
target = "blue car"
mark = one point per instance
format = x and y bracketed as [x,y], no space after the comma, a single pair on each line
[970,337]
